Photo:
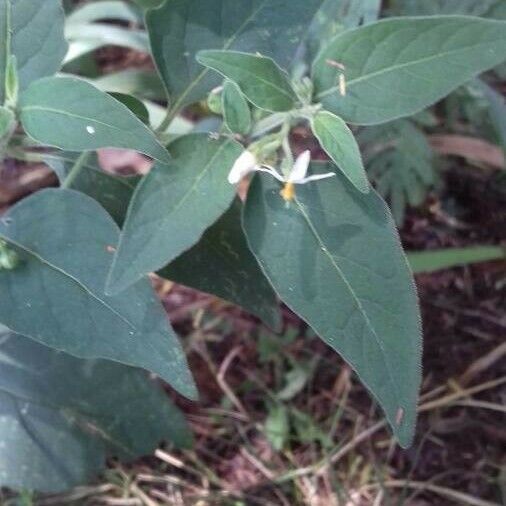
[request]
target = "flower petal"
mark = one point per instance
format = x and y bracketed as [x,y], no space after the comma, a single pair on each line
[316,177]
[245,164]
[300,167]
[272,171]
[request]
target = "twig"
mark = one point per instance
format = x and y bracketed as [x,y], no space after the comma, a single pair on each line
[76,170]
[455,495]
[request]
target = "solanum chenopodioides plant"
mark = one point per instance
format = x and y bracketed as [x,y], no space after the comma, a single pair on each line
[314,235]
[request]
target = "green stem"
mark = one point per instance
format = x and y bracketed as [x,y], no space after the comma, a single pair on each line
[76,169]
[169,118]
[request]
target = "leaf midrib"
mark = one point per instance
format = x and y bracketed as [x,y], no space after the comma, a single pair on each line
[397,67]
[225,46]
[42,260]
[174,209]
[355,297]
[256,77]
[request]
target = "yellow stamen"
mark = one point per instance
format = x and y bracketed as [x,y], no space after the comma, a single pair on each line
[288,192]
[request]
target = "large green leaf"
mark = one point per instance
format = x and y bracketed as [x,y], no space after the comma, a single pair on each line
[36,38]
[56,294]
[339,143]
[112,192]
[73,115]
[486,8]
[259,78]
[222,264]
[335,259]
[60,416]
[181,28]
[398,66]
[173,206]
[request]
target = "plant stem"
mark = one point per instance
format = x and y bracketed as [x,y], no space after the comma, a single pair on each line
[76,169]
[169,117]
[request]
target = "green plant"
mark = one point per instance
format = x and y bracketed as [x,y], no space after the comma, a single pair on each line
[400,161]
[313,234]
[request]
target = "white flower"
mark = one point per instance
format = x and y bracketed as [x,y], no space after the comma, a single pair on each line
[245,164]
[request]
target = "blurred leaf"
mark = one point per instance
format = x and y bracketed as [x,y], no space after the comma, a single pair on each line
[112,192]
[236,109]
[179,29]
[436,260]
[105,9]
[277,427]
[173,206]
[36,39]
[260,79]
[148,4]
[71,114]
[308,431]
[56,294]
[339,143]
[402,164]
[335,16]
[295,381]
[62,416]
[222,264]
[486,8]
[141,83]
[407,63]
[497,110]
[86,37]
[335,259]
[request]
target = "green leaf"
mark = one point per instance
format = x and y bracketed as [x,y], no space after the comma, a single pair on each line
[340,144]
[148,4]
[134,104]
[296,380]
[487,8]
[222,264]
[436,260]
[277,426]
[335,259]
[399,66]
[497,110]
[112,192]
[138,82]
[56,294]
[36,39]
[61,416]
[236,109]
[335,16]
[71,114]
[402,165]
[173,206]
[263,83]
[181,28]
